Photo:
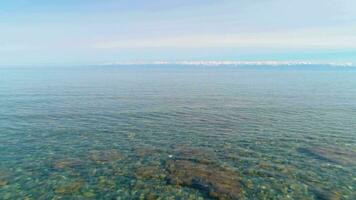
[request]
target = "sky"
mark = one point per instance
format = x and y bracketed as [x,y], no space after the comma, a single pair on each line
[76,32]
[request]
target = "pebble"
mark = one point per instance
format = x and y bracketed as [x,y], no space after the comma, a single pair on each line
[3,183]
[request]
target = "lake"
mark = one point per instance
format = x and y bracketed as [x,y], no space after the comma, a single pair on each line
[178,132]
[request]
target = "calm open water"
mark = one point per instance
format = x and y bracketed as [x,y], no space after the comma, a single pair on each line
[178,132]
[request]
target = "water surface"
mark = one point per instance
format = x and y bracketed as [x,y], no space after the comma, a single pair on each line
[178,132]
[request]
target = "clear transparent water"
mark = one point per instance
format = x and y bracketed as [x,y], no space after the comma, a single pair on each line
[130,132]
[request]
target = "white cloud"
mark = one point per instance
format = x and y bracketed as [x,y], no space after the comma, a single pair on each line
[332,37]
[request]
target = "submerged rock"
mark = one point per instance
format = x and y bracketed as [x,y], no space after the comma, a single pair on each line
[101,157]
[106,183]
[215,181]
[326,194]
[151,196]
[195,168]
[3,183]
[195,155]
[70,188]
[4,176]
[66,164]
[332,154]
[88,194]
[143,152]
[149,172]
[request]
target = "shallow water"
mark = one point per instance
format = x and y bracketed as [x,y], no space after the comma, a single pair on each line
[178,132]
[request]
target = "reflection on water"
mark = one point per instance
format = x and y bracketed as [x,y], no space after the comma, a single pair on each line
[178,133]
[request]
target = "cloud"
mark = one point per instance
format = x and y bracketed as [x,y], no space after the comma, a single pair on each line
[272,40]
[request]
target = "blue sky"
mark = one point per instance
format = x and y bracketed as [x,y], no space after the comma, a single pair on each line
[94,32]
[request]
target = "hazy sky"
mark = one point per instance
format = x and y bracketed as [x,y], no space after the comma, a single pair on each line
[102,31]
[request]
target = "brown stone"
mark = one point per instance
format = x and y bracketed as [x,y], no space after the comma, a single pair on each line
[143,152]
[3,183]
[106,183]
[151,196]
[215,181]
[149,172]
[66,163]
[70,188]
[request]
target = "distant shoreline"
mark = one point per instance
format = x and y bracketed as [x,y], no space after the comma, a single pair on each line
[235,63]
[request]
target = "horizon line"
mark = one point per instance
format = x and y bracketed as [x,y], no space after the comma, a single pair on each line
[194,63]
